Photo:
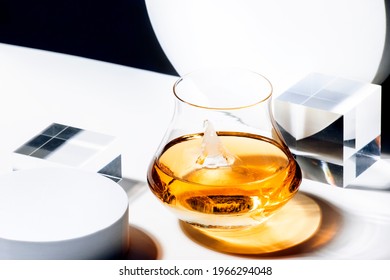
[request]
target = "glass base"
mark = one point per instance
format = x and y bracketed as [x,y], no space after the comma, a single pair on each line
[297,222]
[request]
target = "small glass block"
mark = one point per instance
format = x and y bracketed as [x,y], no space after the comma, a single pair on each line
[64,145]
[332,125]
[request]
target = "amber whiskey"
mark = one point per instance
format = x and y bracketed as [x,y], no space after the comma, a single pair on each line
[248,189]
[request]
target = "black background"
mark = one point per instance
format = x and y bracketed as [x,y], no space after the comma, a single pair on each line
[116,31]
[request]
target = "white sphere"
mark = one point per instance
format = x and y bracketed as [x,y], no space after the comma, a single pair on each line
[282,39]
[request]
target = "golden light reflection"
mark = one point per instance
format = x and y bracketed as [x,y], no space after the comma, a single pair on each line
[304,224]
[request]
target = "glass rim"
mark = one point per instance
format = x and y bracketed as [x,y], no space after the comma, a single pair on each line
[262,97]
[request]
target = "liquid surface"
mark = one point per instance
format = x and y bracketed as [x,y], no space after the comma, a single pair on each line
[260,179]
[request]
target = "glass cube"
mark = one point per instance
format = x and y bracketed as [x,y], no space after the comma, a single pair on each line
[332,125]
[64,145]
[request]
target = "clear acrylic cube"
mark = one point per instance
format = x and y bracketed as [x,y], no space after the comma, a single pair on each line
[63,145]
[332,125]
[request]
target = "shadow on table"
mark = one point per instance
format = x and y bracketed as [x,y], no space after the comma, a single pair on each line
[143,246]
[304,225]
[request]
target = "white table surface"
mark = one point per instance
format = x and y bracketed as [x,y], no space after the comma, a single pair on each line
[38,88]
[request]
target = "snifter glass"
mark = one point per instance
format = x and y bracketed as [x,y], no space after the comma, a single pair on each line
[223,162]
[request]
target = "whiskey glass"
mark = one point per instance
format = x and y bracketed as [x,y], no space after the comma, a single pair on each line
[223,163]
